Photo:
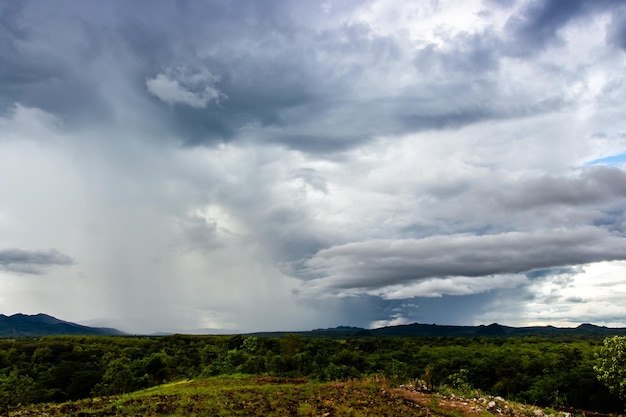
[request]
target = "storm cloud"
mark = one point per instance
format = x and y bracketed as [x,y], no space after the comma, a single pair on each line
[31,262]
[378,263]
[283,164]
[596,185]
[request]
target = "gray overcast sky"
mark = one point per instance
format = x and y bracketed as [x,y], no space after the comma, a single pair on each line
[288,165]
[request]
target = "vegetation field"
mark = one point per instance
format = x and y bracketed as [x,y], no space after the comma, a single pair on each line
[243,397]
[90,372]
[265,396]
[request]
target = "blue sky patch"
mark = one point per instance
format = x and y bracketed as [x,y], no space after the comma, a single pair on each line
[613,160]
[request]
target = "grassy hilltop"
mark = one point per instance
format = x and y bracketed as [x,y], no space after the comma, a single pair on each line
[264,396]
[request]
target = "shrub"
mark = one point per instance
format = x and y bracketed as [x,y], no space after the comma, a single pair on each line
[611,366]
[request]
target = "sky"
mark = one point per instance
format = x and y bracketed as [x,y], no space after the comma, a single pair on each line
[236,166]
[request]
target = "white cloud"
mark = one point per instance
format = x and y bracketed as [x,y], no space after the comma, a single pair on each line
[29,123]
[182,86]
[590,294]
[396,320]
[437,287]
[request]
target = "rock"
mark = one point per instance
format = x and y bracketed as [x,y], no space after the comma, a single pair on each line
[492,404]
[538,413]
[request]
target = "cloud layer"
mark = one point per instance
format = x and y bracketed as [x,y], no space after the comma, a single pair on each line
[379,263]
[289,165]
[30,262]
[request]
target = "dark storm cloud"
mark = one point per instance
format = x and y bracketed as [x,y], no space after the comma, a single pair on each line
[37,50]
[295,79]
[275,70]
[31,262]
[596,185]
[292,80]
[376,312]
[12,33]
[437,310]
[379,263]
[538,23]
[293,86]
[616,30]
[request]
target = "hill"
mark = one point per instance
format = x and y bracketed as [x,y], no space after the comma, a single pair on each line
[434,330]
[496,330]
[23,325]
[269,396]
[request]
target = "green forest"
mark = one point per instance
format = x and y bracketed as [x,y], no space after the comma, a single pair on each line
[540,371]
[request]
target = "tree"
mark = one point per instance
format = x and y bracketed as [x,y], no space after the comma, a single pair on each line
[15,389]
[120,377]
[611,366]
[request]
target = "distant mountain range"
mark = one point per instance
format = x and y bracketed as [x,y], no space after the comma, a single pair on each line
[23,325]
[434,330]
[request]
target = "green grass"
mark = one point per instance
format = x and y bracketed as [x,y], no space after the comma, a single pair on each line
[269,396]
[226,396]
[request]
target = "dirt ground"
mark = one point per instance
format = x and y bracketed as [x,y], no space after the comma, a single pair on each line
[476,406]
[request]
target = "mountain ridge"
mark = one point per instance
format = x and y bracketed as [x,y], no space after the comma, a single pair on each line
[438,330]
[37,325]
